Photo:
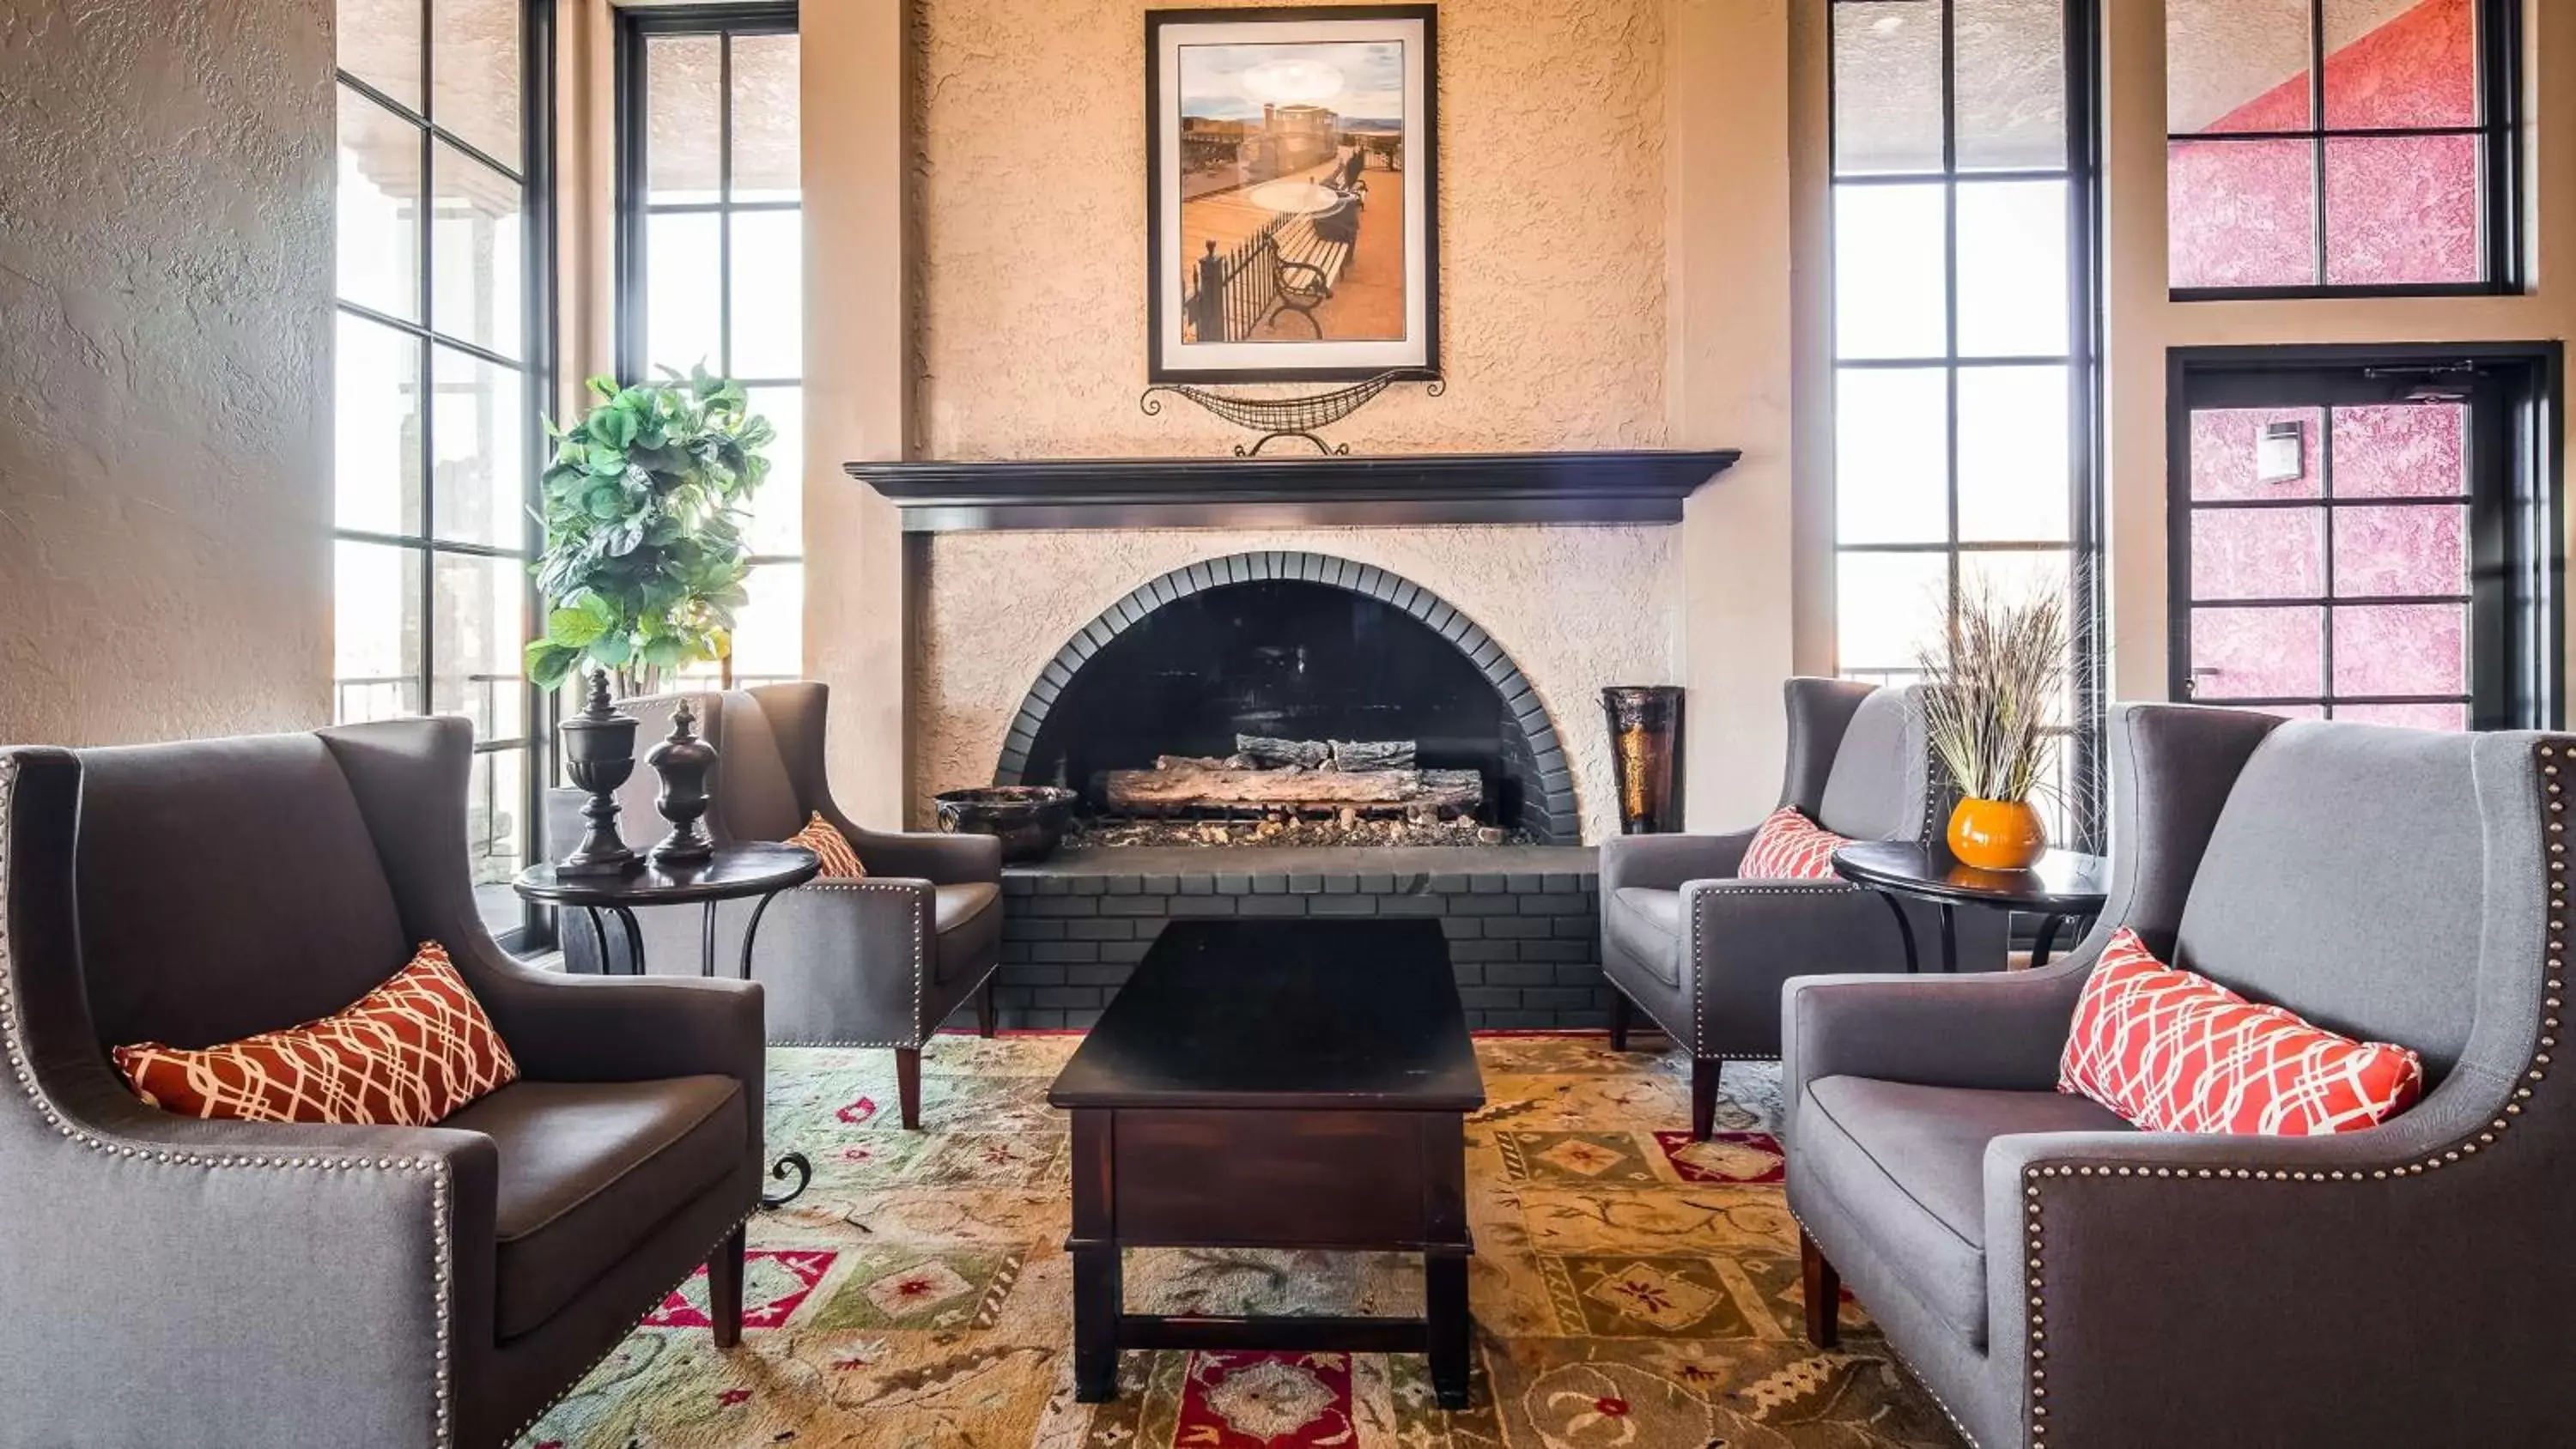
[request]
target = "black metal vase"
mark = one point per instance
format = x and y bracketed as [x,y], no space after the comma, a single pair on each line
[684,761]
[599,755]
[1645,755]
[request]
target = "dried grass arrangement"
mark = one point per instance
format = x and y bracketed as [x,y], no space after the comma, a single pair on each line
[1995,687]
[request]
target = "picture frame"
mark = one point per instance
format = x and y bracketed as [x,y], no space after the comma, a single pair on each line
[1292,193]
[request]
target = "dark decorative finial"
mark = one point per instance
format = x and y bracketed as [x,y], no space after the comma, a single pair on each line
[683,761]
[599,755]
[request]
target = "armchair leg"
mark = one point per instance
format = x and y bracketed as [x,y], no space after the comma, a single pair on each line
[984,1013]
[724,1289]
[1823,1288]
[1704,1079]
[1619,1015]
[907,1082]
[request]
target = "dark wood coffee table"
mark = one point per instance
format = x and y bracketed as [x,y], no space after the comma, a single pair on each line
[1275,1084]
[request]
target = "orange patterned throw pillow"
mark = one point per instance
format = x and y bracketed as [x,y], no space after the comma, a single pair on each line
[840,862]
[1789,846]
[407,1054]
[2173,1051]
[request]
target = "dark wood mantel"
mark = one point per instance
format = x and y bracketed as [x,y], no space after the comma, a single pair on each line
[1603,487]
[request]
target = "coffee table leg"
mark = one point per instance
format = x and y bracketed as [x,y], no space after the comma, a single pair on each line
[1444,1301]
[1904,927]
[1098,1295]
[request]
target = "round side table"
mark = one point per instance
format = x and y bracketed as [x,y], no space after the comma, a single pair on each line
[756,870]
[2062,883]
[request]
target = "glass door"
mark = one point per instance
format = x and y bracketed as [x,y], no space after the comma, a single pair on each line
[2366,540]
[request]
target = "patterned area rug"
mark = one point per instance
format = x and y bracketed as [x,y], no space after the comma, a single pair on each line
[1630,1288]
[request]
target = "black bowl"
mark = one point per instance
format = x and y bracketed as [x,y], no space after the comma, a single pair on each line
[1030,820]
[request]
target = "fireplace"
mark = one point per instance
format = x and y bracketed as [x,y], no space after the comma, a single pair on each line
[1302,647]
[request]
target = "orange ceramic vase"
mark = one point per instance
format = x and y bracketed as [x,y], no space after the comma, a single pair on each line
[1997,834]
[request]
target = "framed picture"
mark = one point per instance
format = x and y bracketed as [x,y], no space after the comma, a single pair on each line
[1292,210]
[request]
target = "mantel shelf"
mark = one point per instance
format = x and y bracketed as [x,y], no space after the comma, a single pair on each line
[1416,488]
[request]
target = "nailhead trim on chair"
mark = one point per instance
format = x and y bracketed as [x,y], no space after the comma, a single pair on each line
[920,929]
[1699,997]
[1920,1382]
[2554,804]
[442,1204]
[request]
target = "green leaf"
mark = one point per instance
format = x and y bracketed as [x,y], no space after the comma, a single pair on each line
[575,628]
[549,664]
[613,650]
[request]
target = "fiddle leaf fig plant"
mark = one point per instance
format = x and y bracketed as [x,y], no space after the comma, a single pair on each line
[644,506]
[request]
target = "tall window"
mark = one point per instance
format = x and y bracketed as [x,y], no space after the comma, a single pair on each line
[710,262]
[438,371]
[2323,146]
[1964,383]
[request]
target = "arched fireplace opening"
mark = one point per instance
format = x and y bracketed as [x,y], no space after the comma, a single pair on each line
[1292,646]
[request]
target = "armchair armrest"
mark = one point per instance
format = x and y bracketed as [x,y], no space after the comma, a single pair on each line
[218,1224]
[1749,937]
[1668,862]
[923,855]
[567,1028]
[2245,1266]
[856,962]
[1995,1030]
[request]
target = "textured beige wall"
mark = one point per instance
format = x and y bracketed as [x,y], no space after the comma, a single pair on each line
[1028,147]
[1576,608]
[165,332]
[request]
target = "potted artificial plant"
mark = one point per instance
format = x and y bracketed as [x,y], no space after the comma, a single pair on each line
[1987,713]
[645,502]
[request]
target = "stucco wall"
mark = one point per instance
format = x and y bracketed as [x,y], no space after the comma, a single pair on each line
[1577,609]
[1028,297]
[165,286]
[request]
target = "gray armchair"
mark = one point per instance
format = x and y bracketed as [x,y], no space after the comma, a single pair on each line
[879,962]
[177,1281]
[2055,1277]
[1704,954]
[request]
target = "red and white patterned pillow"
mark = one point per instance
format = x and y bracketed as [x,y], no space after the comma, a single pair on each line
[2173,1051]
[1789,846]
[840,862]
[407,1054]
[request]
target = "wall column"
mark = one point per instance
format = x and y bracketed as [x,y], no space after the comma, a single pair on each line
[858,401]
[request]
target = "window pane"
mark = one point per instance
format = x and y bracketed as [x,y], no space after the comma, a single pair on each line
[2402,209]
[2407,450]
[474,73]
[1890,261]
[479,427]
[1885,606]
[2401,64]
[2409,716]
[2015,457]
[2402,649]
[2242,213]
[2010,58]
[768,290]
[766,142]
[2012,269]
[377,233]
[2423,549]
[778,509]
[769,634]
[1891,457]
[2258,553]
[375,631]
[683,127]
[380,44]
[2237,65]
[375,428]
[2230,458]
[2258,653]
[480,627]
[1887,86]
[682,270]
[496,804]
[477,253]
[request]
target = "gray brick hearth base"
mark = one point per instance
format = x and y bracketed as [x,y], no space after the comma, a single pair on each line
[1523,922]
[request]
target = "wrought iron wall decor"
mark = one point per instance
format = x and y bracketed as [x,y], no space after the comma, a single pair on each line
[1291,213]
[1288,417]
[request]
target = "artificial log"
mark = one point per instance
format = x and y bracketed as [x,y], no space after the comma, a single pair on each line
[1177,784]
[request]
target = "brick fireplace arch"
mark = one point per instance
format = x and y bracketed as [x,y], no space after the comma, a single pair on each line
[1548,811]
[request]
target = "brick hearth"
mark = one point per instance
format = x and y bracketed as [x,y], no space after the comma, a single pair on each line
[1523,921]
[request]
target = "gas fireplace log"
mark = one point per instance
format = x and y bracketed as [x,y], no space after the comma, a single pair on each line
[1178,784]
